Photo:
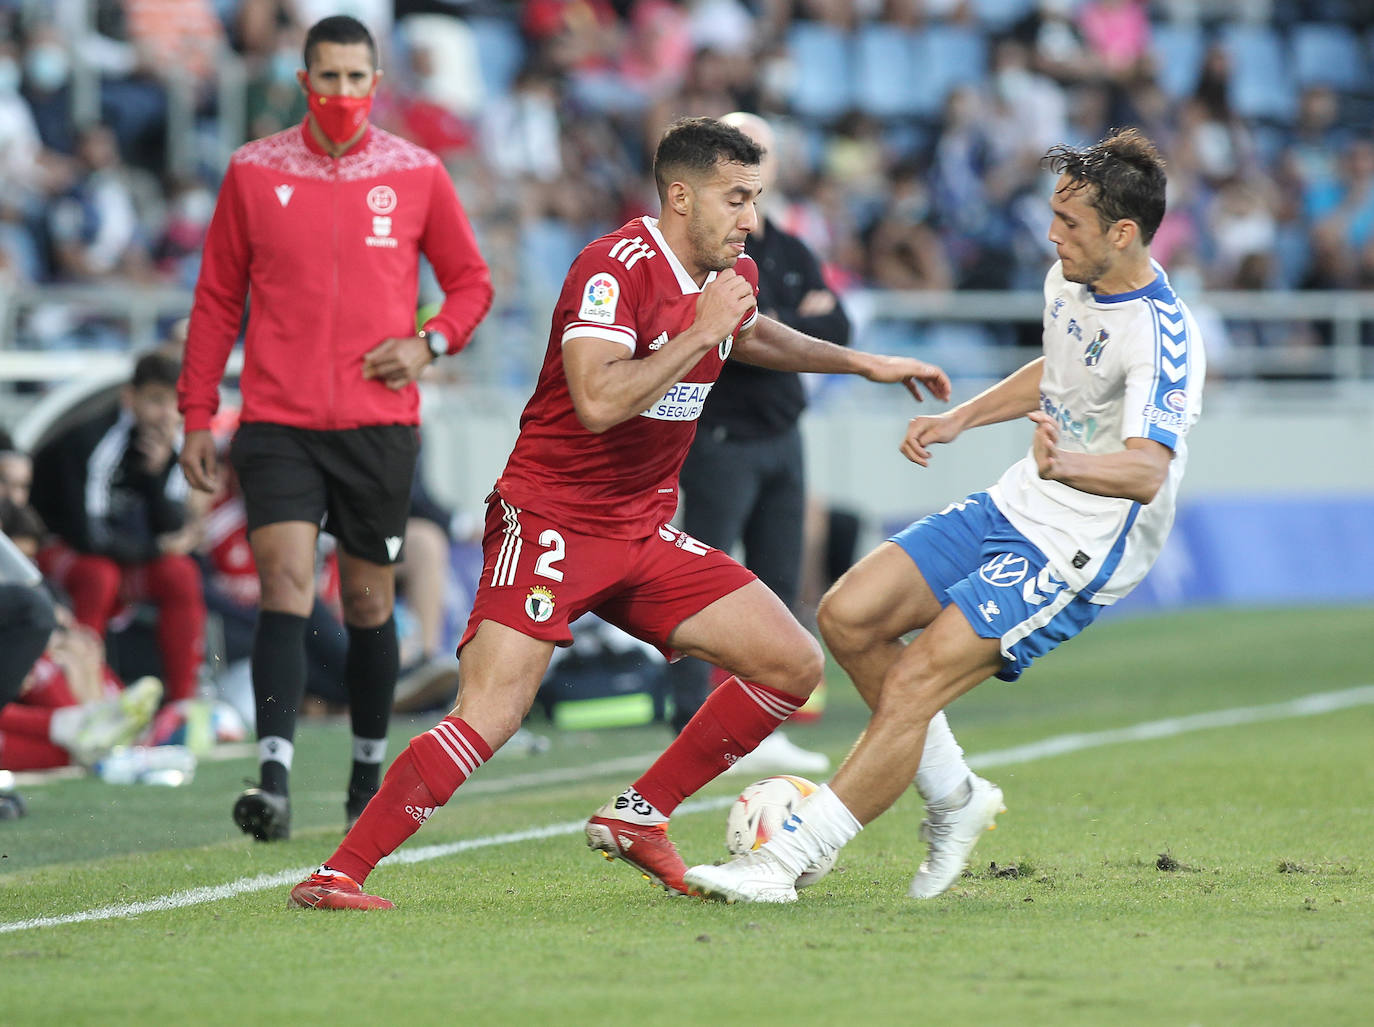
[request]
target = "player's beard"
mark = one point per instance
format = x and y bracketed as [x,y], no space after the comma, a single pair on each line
[708,253]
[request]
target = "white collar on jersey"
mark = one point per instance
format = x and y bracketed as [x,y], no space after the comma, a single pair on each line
[683,278]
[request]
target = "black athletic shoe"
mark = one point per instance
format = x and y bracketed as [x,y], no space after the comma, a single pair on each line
[11,806]
[264,815]
[358,798]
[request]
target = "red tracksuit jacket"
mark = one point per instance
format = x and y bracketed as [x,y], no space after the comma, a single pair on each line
[327,250]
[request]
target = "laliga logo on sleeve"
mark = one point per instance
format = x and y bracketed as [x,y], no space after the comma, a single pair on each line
[599,299]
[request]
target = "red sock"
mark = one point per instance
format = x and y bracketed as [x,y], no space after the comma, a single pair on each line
[18,752]
[424,777]
[174,584]
[18,718]
[731,722]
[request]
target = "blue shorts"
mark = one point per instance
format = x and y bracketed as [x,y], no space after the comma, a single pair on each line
[971,556]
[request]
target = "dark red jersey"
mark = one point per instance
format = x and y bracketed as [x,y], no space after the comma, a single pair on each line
[627,287]
[328,249]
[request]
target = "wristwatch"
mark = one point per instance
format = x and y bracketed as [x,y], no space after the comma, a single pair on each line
[437,341]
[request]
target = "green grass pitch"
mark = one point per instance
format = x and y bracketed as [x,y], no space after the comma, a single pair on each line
[1212,873]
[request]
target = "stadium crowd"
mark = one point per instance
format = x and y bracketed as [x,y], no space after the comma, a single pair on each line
[910,128]
[909,131]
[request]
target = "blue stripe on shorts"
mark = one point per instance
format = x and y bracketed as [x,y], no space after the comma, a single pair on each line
[970,555]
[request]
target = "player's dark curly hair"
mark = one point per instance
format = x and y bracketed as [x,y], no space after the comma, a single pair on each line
[695,146]
[341,29]
[1127,176]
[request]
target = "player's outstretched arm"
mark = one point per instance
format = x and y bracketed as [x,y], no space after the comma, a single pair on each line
[774,345]
[1014,396]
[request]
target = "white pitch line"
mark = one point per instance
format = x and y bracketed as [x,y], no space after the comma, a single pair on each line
[1306,706]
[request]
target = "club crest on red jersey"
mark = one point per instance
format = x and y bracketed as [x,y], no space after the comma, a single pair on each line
[539,604]
[381,199]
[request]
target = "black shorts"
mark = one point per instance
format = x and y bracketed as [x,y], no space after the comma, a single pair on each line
[354,483]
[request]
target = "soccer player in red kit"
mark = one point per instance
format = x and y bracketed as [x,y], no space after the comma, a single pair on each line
[578,521]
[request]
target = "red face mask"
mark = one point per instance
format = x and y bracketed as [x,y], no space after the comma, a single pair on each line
[339,117]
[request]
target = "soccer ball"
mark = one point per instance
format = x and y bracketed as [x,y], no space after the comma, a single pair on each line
[759,813]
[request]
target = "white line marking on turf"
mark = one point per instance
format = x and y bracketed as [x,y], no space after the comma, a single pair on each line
[1306,706]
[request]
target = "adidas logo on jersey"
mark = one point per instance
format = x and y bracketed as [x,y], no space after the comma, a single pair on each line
[631,251]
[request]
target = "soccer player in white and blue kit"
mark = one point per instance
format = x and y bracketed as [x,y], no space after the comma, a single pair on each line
[1001,577]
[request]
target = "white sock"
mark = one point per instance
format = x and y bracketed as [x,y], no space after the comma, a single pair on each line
[942,767]
[66,724]
[275,749]
[821,825]
[633,808]
[368,750]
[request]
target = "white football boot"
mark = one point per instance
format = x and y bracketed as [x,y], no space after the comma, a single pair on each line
[952,836]
[779,754]
[756,876]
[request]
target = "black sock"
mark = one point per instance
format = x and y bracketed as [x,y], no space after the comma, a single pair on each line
[370,674]
[278,685]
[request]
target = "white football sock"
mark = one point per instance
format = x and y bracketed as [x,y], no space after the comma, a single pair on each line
[821,825]
[66,725]
[942,768]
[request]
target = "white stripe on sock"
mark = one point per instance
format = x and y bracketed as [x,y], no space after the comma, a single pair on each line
[459,749]
[369,750]
[450,733]
[275,749]
[769,701]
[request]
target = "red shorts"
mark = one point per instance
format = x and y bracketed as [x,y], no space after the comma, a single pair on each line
[538,578]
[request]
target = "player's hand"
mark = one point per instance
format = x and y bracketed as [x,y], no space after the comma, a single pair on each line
[1045,444]
[397,362]
[154,446]
[924,432]
[200,461]
[724,302]
[910,372]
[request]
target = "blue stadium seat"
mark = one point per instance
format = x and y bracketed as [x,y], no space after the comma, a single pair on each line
[949,56]
[1261,78]
[1329,55]
[500,52]
[1178,50]
[999,15]
[888,81]
[823,86]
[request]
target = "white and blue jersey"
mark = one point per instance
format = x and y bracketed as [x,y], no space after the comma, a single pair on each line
[1032,562]
[1116,367]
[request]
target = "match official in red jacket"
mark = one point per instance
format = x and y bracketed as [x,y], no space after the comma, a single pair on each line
[323,225]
